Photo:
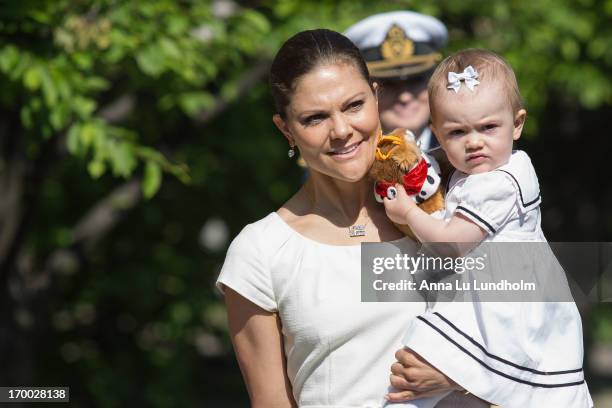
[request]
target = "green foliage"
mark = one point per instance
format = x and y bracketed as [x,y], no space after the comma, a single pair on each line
[152,179]
[76,57]
[602,324]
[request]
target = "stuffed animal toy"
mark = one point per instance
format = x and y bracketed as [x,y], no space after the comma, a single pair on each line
[400,161]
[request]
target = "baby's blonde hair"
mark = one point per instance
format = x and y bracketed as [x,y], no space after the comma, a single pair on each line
[489,66]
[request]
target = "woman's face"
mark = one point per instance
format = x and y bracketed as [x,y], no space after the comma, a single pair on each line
[332,117]
[404,104]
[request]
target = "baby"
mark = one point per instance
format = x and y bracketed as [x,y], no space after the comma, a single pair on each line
[511,354]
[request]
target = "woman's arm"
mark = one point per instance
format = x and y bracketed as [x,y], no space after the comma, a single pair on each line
[257,339]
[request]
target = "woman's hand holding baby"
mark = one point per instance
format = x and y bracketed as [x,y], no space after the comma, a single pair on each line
[416,378]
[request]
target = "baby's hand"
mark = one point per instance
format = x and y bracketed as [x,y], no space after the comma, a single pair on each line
[398,208]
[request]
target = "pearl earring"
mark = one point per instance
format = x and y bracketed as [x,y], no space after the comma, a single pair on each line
[291,152]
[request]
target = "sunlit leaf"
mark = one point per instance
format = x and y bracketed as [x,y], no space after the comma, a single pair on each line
[152,179]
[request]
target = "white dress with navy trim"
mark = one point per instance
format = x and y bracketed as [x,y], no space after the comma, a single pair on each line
[504,202]
[521,354]
[339,350]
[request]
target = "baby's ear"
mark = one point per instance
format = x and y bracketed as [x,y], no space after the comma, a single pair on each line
[519,121]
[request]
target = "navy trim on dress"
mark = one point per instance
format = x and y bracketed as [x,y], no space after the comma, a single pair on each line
[520,191]
[519,380]
[473,214]
[480,346]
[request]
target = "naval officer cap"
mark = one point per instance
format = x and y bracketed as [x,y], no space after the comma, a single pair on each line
[399,44]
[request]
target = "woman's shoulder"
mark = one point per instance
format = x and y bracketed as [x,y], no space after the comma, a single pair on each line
[246,268]
[261,226]
[261,233]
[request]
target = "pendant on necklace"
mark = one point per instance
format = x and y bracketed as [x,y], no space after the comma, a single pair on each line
[357,230]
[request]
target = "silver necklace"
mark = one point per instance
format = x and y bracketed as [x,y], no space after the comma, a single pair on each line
[357,230]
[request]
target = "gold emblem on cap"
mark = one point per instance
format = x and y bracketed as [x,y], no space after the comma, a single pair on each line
[397,46]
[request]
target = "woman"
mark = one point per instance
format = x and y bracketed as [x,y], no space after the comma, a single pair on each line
[291,280]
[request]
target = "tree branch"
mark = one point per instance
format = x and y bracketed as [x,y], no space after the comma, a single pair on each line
[108,212]
[245,84]
[121,107]
[103,216]
[100,219]
[11,185]
[118,110]
[32,182]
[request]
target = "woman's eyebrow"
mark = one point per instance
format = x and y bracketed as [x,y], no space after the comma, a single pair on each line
[357,95]
[311,112]
[346,102]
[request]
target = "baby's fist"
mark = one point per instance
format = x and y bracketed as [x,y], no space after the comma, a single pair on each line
[398,208]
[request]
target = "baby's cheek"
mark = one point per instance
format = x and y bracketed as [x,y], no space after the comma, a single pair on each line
[453,154]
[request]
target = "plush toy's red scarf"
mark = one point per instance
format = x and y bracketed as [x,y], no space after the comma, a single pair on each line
[412,181]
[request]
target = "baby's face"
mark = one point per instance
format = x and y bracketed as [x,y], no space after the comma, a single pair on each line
[476,128]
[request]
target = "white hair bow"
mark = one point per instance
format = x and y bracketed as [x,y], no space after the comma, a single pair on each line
[468,75]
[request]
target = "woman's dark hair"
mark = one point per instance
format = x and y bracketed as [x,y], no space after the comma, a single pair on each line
[305,51]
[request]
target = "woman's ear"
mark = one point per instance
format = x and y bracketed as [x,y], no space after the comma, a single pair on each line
[519,121]
[282,126]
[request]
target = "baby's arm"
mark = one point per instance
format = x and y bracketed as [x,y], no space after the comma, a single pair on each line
[403,210]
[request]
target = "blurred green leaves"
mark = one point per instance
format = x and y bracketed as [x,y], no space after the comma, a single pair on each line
[187,56]
[78,59]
